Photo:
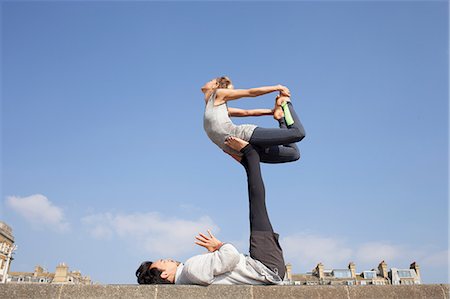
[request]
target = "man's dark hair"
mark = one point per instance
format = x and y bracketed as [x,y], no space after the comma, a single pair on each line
[145,275]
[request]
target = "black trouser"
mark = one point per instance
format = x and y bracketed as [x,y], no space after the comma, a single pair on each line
[264,245]
[277,145]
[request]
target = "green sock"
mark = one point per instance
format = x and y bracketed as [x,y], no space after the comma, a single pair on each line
[287,114]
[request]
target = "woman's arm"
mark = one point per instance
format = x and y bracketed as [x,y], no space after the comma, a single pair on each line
[223,94]
[254,112]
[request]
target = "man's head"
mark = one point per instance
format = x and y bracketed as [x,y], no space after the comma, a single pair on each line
[159,272]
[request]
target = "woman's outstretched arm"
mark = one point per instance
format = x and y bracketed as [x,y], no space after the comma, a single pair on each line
[253,112]
[223,94]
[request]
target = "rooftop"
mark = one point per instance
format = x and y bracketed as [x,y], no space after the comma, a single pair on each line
[6,231]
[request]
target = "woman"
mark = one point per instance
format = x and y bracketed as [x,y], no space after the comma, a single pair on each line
[274,145]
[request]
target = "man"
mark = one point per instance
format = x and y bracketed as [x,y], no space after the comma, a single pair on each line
[223,264]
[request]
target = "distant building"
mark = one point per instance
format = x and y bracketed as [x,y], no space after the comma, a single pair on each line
[405,276]
[348,276]
[61,276]
[7,249]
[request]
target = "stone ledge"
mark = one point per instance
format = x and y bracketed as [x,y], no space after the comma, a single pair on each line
[47,291]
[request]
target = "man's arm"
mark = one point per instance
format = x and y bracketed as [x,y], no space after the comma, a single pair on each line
[202,269]
[254,112]
[221,258]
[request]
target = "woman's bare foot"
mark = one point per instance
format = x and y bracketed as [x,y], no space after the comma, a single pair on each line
[278,110]
[236,143]
[281,99]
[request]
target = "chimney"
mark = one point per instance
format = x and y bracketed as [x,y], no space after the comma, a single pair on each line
[38,270]
[352,269]
[61,273]
[289,271]
[382,267]
[414,266]
[318,271]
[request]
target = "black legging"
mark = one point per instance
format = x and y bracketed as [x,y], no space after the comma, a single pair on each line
[277,145]
[264,244]
[259,219]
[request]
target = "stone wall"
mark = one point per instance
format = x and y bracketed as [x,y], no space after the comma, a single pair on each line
[38,291]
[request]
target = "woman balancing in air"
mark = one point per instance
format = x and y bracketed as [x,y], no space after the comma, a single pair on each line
[274,145]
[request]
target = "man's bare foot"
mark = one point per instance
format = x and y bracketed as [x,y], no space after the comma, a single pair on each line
[236,143]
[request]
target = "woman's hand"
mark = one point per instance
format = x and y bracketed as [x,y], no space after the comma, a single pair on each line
[284,91]
[210,243]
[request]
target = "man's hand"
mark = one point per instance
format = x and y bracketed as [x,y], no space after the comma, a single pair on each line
[210,243]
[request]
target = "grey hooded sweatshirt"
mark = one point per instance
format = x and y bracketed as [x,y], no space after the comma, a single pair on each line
[224,266]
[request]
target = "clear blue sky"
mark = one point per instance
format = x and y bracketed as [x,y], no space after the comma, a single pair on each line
[105,162]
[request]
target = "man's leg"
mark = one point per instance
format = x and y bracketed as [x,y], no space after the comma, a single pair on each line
[264,245]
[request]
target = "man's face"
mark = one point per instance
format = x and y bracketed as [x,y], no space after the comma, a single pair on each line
[168,268]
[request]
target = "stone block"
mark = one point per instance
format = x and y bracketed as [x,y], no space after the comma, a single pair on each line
[300,292]
[199,292]
[108,291]
[396,292]
[446,290]
[50,291]
[27,291]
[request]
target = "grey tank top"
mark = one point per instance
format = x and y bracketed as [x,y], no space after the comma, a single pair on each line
[218,125]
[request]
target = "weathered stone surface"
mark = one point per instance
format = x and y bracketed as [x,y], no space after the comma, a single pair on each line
[446,289]
[27,291]
[108,291]
[194,292]
[397,292]
[322,292]
[48,291]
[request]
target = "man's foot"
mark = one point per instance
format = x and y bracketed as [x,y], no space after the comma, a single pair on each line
[236,143]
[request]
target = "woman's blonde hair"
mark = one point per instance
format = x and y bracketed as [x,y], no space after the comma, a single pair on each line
[223,82]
